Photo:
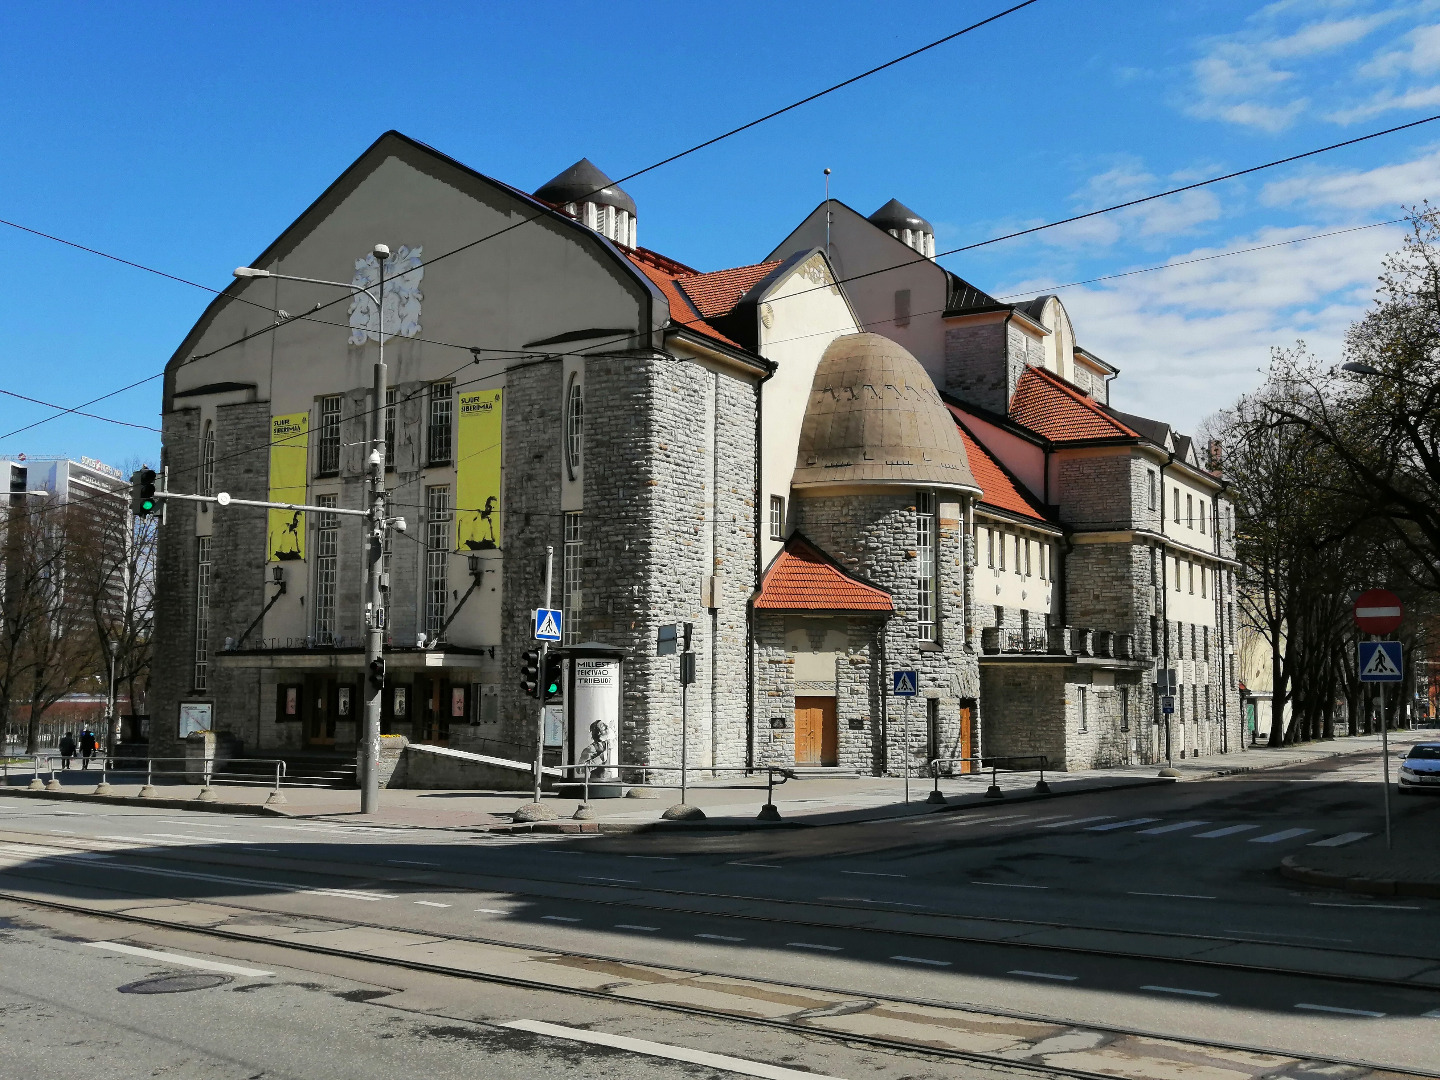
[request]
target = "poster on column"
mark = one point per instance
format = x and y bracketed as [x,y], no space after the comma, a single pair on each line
[596,711]
[477,471]
[289,458]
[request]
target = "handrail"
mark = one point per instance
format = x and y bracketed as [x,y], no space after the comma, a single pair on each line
[768,812]
[993,764]
[109,765]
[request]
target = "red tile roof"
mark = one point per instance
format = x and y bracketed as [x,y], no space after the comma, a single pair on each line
[683,312]
[717,293]
[997,487]
[1045,403]
[804,578]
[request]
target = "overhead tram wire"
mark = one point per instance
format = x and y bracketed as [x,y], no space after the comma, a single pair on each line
[83,405]
[76,411]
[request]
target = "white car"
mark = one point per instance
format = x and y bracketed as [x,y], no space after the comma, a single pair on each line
[1420,771]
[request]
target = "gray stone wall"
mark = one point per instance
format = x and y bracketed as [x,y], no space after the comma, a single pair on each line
[1036,709]
[1097,492]
[976,365]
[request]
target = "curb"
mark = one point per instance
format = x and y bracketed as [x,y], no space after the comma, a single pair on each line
[1357,883]
[130,800]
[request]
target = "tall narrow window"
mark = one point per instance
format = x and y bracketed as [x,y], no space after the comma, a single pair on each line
[925,564]
[1124,708]
[574,425]
[1203,575]
[990,547]
[207,460]
[437,558]
[571,579]
[389,430]
[777,517]
[1150,476]
[1000,544]
[327,461]
[442,425]
[1202,515]
[1189,511]
[202,612]
[1190,566]
[327,561]
[1084,707]
[1176,493]
[1019,565]
[1027,557]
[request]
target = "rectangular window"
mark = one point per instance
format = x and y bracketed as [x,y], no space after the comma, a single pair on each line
[1124,708]
[1177,575]
[390,428]
[202,612]
[1084,707]
[902,307]
[1194,641]
[442,427]
[1019,565]
[1189,512]
[925,564]
[327,460]
[571,580]
[1027,556]
[1207,701]
[437,558]
[990,548]
[777,517]
[327,551]
[1190,566]
[1000,544]
[1150,478]
[1202,516]
[1176,493]
[1205,643]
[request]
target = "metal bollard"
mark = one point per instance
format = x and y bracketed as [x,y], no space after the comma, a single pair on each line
[584,812]
[994,791]
[103,788]
[148,791]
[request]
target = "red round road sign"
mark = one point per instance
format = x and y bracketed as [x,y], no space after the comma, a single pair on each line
[1378,611]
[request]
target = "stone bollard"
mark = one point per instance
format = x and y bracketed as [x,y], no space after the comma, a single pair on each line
[148,792]
[52,784]
[584,812]
[276,798]
[683,812]
[102,788]
[207,794]
[768,812]
[534,812]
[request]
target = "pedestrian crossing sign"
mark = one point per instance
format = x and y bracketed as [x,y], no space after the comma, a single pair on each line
[904,683]
[547,624]
[1381,661]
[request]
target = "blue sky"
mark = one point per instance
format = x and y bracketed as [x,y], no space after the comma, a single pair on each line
[186,138]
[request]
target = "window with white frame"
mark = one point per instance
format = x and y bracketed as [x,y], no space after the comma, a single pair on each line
[1190,511]
[207,460]
[777,517]
[571,579]
[1176,493]
[1019,565]
[327,457]
[1000,547]
[202,612]
[442,422]
[574,425]
[925,564]
[1027,557]
[437,557]
[1202,515]
[327,564]
[1190,568]
[990,548]
[1203,575]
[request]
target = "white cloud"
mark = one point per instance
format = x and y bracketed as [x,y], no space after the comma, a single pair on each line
[1386,188]
[1420,55]
[1129,179]
[1387,102]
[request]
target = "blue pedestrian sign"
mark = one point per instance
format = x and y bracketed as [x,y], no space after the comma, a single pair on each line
[1167,704]
[547,624]
[1381,661]
[904,683]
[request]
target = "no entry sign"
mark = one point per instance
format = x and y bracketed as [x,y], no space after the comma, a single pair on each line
[1378,611]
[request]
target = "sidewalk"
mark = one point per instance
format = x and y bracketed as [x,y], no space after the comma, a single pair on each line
[731,803]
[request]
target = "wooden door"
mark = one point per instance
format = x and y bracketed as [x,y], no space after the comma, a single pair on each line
[319,710]
[967,735]
[816,731]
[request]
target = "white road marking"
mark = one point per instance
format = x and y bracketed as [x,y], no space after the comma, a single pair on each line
[283,886]
[1276,837]
[811,945]
[1382,907]
[1008,885]
[1343,1012]
[193,824]
[593,877]
[724,1062]
[1180,990]
[1122,824]
[67,832]
[135,841]
[867,900]
[922,960]
[655,858]
[491,911]
[559,918]
[1076,821]
[635,926]
[1161,830]
[196,839]
[870,873]
[1026,821]
[762,865]
[1174,895]
[1433,1014]
[173,958]
[1341,840]
[429,903]
[410,862]
[719,937]
[1044,975]
[1229,830]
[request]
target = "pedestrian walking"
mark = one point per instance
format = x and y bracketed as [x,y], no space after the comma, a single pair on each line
[67,750]
[87,747]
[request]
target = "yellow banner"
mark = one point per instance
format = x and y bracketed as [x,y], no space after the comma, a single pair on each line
[289,457]
[477,472]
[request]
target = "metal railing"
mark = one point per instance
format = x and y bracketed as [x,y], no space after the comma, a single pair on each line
[109,766]
[768,812]
[995,765]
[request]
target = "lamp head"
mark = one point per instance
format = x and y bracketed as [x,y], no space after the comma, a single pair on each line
[1359,368]
[381,251]
[250,271]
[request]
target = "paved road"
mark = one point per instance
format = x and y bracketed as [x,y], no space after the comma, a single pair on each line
[1156,908]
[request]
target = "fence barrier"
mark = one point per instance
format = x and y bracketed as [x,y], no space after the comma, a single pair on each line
[994,764]
[113,763]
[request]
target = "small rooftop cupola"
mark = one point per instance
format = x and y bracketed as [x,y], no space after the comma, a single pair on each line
[906,226]
[591,197]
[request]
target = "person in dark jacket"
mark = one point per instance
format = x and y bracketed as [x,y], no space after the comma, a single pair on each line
[67,749]
[87,747]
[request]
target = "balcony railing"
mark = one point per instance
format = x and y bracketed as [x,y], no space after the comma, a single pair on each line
[1078,641]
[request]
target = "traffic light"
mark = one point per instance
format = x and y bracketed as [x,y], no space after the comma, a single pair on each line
[377,673]
[530,672]
[142,492]
[550,685]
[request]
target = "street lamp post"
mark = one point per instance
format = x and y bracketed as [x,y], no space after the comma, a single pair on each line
[374,612]
[113,721]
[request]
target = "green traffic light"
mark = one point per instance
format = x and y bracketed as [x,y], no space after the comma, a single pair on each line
[147,504]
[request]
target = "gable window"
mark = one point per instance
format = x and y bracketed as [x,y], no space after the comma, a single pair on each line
[925,564]
[207,460]
[777,517]
[574,425]
[327,460]
[442,422]
[1150,477]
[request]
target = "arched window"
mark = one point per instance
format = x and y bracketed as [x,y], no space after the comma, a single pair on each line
[207,460]
[574,425]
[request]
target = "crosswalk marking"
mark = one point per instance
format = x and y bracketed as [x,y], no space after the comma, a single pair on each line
[1122,824]
[1276,837]
[1077,821]
[1229,830]
[1161,830]
[1341,840]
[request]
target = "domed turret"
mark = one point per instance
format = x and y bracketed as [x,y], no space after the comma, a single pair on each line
[906,226]
[587,194]
[874,417]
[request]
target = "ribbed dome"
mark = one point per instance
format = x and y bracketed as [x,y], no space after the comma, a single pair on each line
[583,182]
[896,215]
[874,417]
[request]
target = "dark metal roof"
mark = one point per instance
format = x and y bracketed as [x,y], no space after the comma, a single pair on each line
[896,215]
[961,296]
[583,182]
[1156,431]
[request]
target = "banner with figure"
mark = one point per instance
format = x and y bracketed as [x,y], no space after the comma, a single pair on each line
[477,471]
[289,458]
